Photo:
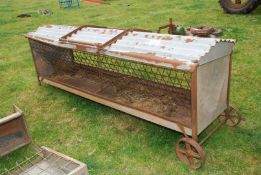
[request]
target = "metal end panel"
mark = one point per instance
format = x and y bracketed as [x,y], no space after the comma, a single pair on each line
[212,91]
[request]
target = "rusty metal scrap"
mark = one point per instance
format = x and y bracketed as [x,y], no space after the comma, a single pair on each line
[13,132]
[48,162]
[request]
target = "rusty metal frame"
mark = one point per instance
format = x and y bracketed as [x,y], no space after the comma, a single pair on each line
[194,105]
[36,70]
[228,86]
[211,132]
[63,38]
[118,37]
[113,40]
[125,32]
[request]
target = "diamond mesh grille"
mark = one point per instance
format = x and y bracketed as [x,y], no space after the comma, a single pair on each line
[142,71]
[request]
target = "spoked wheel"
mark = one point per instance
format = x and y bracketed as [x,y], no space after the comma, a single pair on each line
[231,116]
[190,152]
[238,6]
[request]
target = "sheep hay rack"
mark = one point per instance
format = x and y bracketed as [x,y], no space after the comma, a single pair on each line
[179,82]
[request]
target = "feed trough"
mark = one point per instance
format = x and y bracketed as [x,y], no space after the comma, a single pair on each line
[48,162]
[179,82]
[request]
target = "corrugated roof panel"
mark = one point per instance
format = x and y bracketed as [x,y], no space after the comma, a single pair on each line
[188,48]
[180,52]
[159,47]
[166,37]
[52,32]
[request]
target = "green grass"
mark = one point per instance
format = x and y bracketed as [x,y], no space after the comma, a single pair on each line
[98,135]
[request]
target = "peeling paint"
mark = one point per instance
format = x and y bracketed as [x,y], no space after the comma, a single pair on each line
[189,40]
[184,67]
[167,38]
[48,26]
[153,57]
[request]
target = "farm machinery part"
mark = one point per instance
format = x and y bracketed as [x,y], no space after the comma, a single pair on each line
[239,6]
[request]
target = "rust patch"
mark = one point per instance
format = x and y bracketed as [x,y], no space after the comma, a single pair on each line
[43,66]
[48,26]
[193,67]
[96,2]
[189,40]
[167,38]
[111,31]
[44,39]
[195,61]
[151,57]
[81,47]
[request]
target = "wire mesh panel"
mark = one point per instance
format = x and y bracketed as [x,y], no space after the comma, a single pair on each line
[160,75]
[48,56]
[46,162]
[50,52]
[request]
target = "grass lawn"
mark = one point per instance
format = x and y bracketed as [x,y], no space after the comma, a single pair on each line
[100,136]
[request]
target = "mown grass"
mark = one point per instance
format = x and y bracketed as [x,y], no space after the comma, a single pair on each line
[101,136]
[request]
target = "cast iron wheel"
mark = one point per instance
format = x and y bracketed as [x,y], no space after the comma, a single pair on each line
[239,6]
[231,117]
[190,152]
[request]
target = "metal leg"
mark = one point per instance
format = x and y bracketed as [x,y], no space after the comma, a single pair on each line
[210,133]
[230,117]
